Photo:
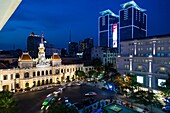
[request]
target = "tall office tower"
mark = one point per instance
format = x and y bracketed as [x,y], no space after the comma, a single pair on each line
[85,44]
[132,21]
[33,42]
[108,29]
[72,48]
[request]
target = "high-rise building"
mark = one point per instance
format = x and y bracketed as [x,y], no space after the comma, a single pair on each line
[85,48]
[132,21]
[33,42]
[72,48]
[108,29]
[85,44]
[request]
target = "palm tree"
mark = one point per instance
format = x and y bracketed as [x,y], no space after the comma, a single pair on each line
[7,102]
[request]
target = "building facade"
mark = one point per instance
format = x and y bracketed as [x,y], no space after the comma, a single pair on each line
[133,21]
[72,48]
[108,29]
[37,72]
[148,58]
[106,55]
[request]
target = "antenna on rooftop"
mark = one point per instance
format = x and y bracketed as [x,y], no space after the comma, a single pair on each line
[70,36]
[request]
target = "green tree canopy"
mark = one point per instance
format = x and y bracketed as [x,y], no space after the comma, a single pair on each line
[7,103]
[166,87]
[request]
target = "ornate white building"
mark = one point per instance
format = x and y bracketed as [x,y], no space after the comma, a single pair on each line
[37,72]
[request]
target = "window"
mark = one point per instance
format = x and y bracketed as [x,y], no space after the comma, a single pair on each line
[162,48]
[162,54]
[46,72]
[5,77]
[26,75]
[50,72]
[17,75]
[33,74]
[168,54]
[158,48]
[38,73]
[150,49]
[158,54]
[67,70]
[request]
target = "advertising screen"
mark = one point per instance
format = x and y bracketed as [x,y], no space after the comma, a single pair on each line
[140,79]
[114,31]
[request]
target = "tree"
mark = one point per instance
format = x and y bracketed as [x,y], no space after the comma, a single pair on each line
[80,74]
[166,87]
[7,103]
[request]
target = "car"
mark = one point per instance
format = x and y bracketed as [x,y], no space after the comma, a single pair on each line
[47,102]
[166,108]
[57,92]
[62,88]
[69,84]
[167,100]
[50,94]
[91,94]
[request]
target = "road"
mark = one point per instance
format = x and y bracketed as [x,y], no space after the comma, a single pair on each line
[30,102]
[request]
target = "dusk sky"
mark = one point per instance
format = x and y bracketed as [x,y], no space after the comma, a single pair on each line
[55,18]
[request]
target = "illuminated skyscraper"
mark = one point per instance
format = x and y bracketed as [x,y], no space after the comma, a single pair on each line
[133,21]
[108,29]
[33,42]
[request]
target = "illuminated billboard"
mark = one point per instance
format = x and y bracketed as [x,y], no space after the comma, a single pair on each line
[140,79]
[161,82]
[114,31]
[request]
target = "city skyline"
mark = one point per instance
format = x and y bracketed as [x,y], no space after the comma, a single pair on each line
[56,18]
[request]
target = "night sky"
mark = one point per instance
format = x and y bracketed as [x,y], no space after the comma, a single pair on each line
[55,18]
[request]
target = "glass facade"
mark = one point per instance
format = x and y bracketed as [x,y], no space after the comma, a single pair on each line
[106,23]
[132,23]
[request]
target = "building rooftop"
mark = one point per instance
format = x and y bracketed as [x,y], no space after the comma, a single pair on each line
[56,57]
[149,37]
[108,11]
[132,4]
[25,57]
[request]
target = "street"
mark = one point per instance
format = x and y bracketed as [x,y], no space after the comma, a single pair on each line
[30,102]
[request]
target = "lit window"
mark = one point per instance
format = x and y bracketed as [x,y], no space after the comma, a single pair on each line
[150,49]
[158,48]
[168,54]
[158,54]
[162,48]
[103,20]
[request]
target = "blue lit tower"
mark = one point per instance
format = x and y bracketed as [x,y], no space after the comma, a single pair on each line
[133,21]
[108,29]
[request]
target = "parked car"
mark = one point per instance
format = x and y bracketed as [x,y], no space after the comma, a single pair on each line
[166,108]
[91,94]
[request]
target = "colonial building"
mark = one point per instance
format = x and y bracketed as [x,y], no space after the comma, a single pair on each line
[148,58]
[36,72]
